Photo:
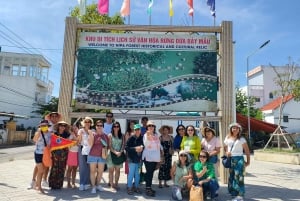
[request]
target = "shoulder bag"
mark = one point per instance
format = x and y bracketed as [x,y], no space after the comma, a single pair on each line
[226,161]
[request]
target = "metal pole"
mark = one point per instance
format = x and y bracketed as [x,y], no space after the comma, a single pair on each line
[248,89]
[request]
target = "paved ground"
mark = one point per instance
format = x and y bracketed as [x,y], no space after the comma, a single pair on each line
[264,181]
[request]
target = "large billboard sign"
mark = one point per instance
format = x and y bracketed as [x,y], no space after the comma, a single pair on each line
[176,72]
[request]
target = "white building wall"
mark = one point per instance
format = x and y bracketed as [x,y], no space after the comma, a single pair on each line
[293,124]
[22,90]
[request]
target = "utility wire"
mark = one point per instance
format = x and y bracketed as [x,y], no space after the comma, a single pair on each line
[17,92]
[18,104]
[45,49]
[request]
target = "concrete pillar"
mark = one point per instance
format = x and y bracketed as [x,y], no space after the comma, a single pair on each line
[226,87]
[68,66]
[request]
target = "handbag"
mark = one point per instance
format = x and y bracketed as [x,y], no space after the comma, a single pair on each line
[47,161]
[104,153]
[196,193]
[226,161]
[118,160]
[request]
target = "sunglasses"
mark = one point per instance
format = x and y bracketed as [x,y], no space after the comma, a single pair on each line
[190,130]
[202,156]
[183,155]
[150,126]
[99,125]
[181,129]
[116,126]
[109,116]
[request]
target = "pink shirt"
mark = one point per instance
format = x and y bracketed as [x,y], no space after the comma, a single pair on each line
[211,145]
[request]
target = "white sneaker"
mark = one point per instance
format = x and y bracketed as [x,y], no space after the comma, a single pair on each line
[45,183]
[238,198]
[99,188]
[31,185]
[81,187]
[86,187]
[93,190]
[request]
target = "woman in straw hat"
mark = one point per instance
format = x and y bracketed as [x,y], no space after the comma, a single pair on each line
[83,152]
[166,141]
[59,157]
[212,145]
[235,146]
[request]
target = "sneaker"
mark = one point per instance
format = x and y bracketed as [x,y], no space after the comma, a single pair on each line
[45,183]
[238,198]
[93,190]
[99,188]
[86,187]
[81,187]
[31,185]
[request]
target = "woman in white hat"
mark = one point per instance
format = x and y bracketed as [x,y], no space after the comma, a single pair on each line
[235,146]
[151,155]
[182,175]
[83,152]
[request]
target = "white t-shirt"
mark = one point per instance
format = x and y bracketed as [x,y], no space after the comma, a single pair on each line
[237,149]
[107,128]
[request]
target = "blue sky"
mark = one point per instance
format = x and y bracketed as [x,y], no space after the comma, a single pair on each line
[41,24]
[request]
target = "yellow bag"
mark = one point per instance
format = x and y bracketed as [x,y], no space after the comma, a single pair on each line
[47,161]
[196,193]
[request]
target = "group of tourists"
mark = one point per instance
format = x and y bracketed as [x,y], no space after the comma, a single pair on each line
[95,146]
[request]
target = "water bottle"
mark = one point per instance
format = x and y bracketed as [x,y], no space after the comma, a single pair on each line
[178,194]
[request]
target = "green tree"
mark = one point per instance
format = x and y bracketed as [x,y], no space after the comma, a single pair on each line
[45,109]
[242,107]
[93,17]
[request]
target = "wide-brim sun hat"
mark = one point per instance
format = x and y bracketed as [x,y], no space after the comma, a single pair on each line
[89,119]
[236,125]
[150,123]
[48,116]
[206,129]
[62,123]
[166,126]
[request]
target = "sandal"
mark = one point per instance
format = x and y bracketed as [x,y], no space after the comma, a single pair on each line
[160,186]
[129,191]
[150,192]
[137,190]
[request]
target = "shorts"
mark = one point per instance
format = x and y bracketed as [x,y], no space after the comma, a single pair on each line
[38,158]
[95,159]
[72,159]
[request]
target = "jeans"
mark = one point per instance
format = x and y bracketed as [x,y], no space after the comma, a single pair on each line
[133,173]
[212,186]
[84,169]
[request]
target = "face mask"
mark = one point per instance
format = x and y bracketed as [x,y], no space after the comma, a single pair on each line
[44,128]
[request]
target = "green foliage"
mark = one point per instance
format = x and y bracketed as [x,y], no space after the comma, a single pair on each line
[242,105]
[296,89]
[52,106]
[93,17]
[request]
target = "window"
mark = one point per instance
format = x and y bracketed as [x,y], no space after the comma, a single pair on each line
[32,71]
[6,70]
[23,71]
[257,99]
[285,118]
[15,70]
[271,95]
